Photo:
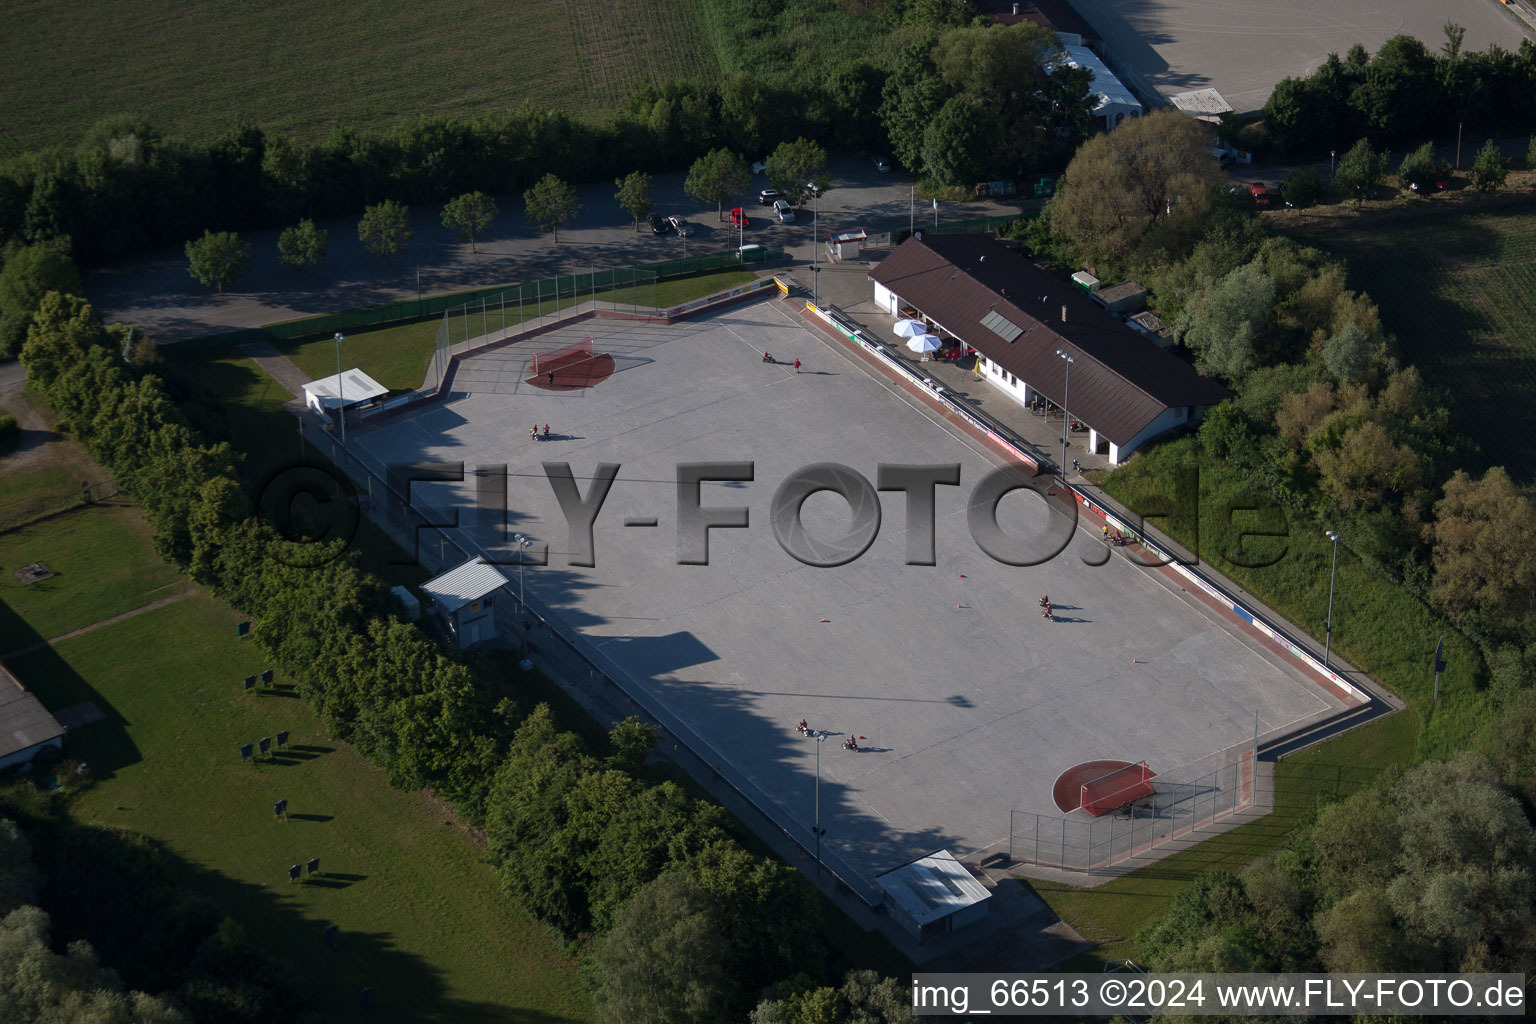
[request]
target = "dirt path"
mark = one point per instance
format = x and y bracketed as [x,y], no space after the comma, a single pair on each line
[104,622]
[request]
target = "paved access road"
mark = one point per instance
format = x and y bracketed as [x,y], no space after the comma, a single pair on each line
[154,291]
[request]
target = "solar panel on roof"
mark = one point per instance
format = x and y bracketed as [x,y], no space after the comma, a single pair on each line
[1001,326]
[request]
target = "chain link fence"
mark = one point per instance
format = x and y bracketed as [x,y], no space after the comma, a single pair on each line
[1186,798]
[633,287]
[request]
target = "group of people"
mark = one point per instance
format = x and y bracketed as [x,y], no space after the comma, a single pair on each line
[533,432]
[1119,538]
[1045,607]
[851,743]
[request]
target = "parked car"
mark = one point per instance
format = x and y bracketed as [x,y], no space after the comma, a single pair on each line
[739,218]
[768,196]
[658,226]
[681,225]
[782,210]
[1260,195]
[759,166]
[882,164]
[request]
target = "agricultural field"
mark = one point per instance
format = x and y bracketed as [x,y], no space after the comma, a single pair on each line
[297,67]
[1456,283]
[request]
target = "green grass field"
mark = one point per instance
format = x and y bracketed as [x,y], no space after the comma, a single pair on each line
[103,565]
[421,918]
[1111,915]
[299,67]
[1379,627]
[1457,285]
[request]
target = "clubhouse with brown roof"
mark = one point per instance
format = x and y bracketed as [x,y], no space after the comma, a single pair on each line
[1124,389]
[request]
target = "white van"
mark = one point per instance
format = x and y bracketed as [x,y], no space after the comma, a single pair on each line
[1223,156]
[750,253]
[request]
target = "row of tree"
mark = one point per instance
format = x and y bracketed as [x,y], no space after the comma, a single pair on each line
[576,837]
[126,187]
[1404,93]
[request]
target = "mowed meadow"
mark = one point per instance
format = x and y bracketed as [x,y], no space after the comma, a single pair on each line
[300,67]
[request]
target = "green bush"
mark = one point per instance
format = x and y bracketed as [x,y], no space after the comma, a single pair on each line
[10,432]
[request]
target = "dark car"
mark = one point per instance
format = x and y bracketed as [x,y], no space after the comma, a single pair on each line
[768,196]
[659,226]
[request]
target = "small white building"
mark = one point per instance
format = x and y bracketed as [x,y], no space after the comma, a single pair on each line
[1113,102]
[934,894]
[348,389]
[26,727]
[465,599]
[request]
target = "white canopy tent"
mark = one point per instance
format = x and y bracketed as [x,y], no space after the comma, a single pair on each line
[348,388]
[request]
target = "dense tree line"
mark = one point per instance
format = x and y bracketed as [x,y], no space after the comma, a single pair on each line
[993,109]
[575,837]
[1404,94]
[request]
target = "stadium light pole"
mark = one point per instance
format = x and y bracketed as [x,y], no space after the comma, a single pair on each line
[341,394]
[821,735]
[524,543]
[1066,417]
[815,256]
[1328,625]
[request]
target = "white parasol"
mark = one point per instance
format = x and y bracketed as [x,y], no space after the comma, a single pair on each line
[910,328]
[925,343]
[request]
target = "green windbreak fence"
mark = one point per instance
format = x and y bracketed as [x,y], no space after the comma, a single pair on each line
[538,296]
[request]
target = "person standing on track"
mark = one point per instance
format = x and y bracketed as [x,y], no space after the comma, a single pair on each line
[550,377]
[797,366]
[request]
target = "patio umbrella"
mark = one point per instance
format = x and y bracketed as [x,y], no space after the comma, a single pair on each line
[925,343]
[910,328]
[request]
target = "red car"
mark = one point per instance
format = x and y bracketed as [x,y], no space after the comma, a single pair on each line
[1260,195]
[739,218]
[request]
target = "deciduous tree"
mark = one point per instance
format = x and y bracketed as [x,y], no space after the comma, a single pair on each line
[1417,170]
[303,245]
[552,204]
[715,177]
[469,215]
[634,194]
[1482,557]
[661,963]
[385,229]
[1489,169]
[218,258]
[1361,170]
[1149,172]
[792,164]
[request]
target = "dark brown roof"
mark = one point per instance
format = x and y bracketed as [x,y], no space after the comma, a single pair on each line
[1056,14]
[1121,382]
